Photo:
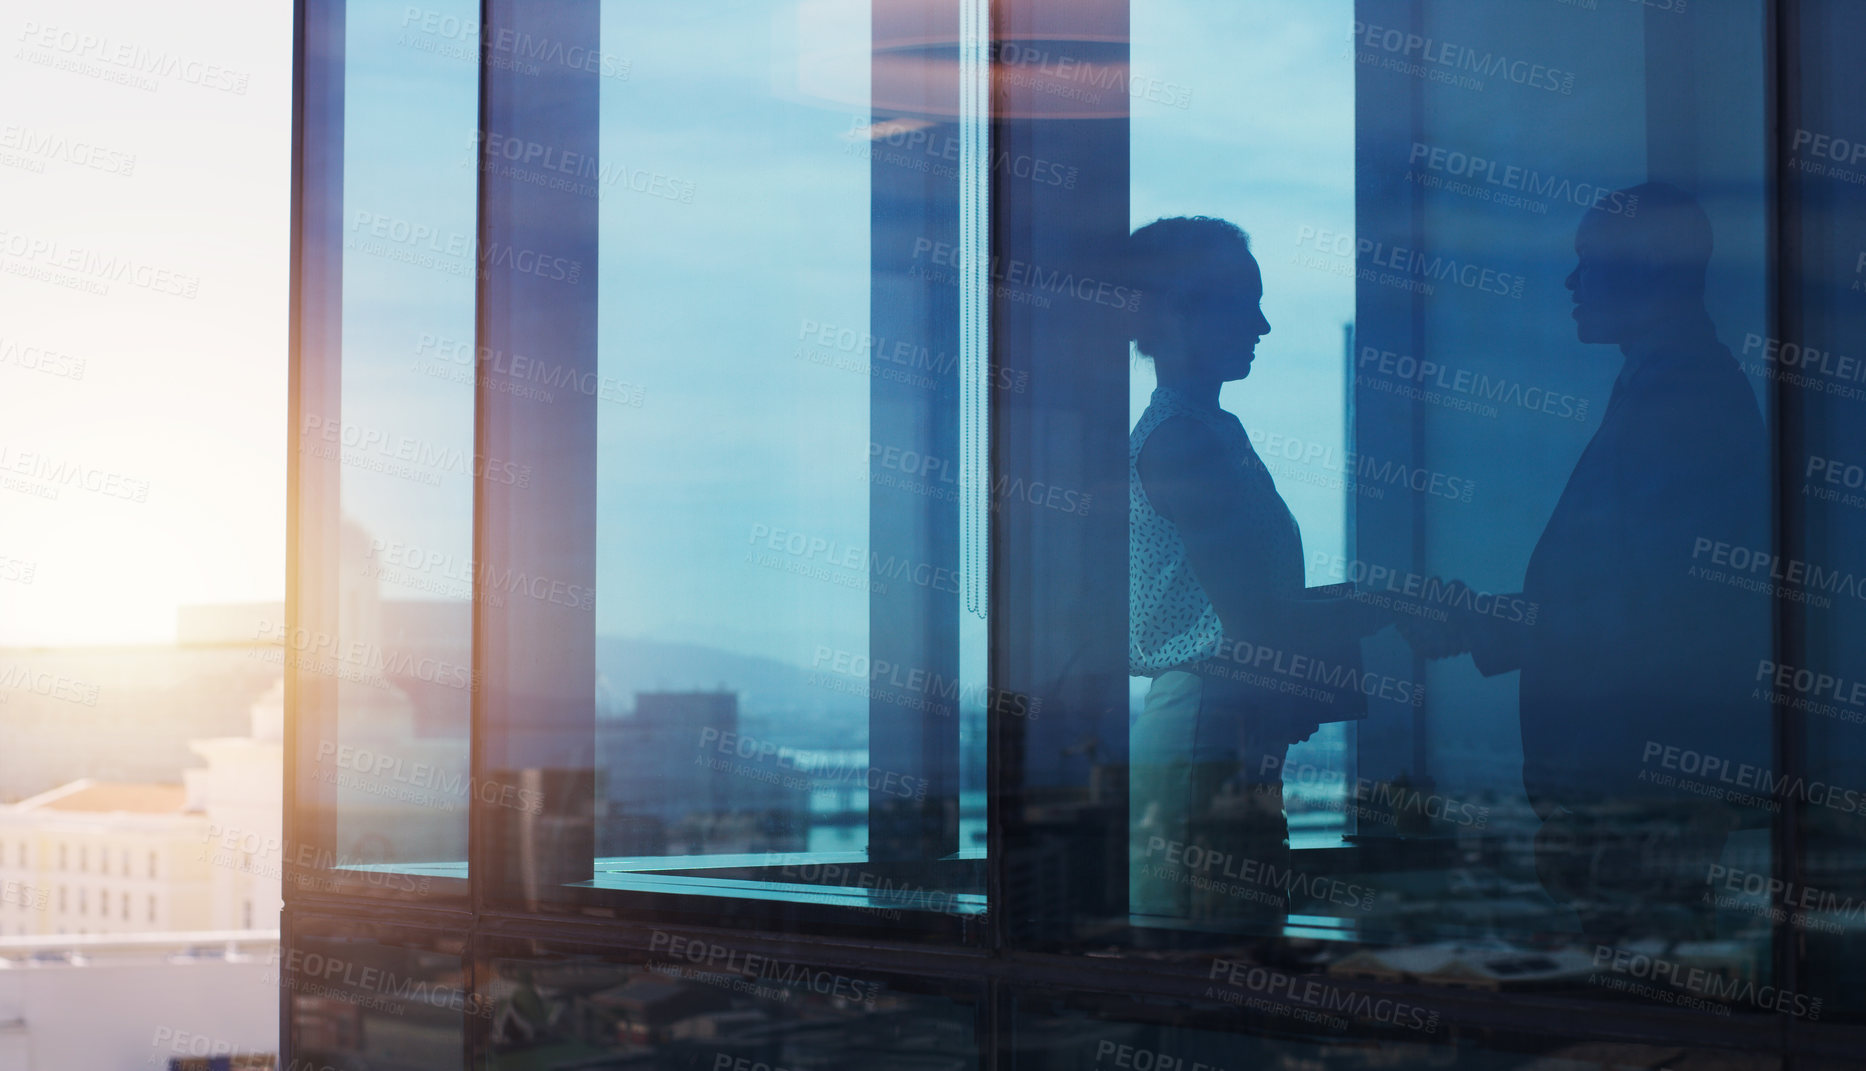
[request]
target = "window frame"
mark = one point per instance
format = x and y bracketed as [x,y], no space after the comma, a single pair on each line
[1004,949]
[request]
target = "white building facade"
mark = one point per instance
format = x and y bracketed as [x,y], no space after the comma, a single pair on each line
[102,857]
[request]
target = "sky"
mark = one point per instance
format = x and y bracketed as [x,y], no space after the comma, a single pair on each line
[1264,137]
[145,180]
[144,200]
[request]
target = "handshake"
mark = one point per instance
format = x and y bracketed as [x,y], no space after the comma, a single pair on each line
[1433,639]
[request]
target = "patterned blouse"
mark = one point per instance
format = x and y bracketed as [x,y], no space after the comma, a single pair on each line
[1170,621]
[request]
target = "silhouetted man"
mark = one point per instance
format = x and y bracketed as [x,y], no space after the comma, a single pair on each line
[1636,647]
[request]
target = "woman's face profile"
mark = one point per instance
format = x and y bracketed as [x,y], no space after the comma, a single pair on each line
[1222,319]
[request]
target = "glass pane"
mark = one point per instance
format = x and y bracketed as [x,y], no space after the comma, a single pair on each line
[785,471]
[785,348]
[1430,291]
[382,647]
[1186,163]
[1056,1030]
[1815,359]
[1568,242]
[692,1002]
[731,503]
[363,996]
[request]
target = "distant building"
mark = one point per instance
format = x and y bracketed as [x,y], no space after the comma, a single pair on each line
[658,768]
[104,857]
[150,702]
[682,779]
[241,793]
[111,857]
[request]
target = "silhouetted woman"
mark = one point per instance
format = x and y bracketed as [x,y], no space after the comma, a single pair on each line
[1217,615]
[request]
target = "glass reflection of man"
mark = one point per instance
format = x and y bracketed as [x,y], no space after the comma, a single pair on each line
[1638,656]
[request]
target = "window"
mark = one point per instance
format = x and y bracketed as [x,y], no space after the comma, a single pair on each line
[61,900]
[63,857]
[152,864]
[395,446]
[1295,397]
[825,704]
[1205,502]
[152,908]
[823,708]
[84,858]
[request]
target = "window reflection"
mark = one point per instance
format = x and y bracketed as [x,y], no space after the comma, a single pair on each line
[1540,652]
[383,641]
[780,561]
[362,997]
[1064,1030]
[1450,638]
[693,1002]
[1215,577]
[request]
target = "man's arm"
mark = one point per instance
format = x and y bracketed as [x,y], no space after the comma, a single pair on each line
[1496,644]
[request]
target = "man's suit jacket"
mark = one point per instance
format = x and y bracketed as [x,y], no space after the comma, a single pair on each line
[1636,643]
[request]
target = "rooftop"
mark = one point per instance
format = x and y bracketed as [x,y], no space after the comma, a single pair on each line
[109,797]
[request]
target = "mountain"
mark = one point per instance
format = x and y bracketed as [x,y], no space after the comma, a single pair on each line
[793,702]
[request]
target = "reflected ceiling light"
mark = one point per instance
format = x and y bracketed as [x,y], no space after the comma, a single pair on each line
[1076,68]
[888,128]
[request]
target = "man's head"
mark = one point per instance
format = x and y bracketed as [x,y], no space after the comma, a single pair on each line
[1640,268]
[1200,296]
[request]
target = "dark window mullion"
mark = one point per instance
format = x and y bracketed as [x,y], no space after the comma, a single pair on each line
[913,727]
[534,662]
[1059,585]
